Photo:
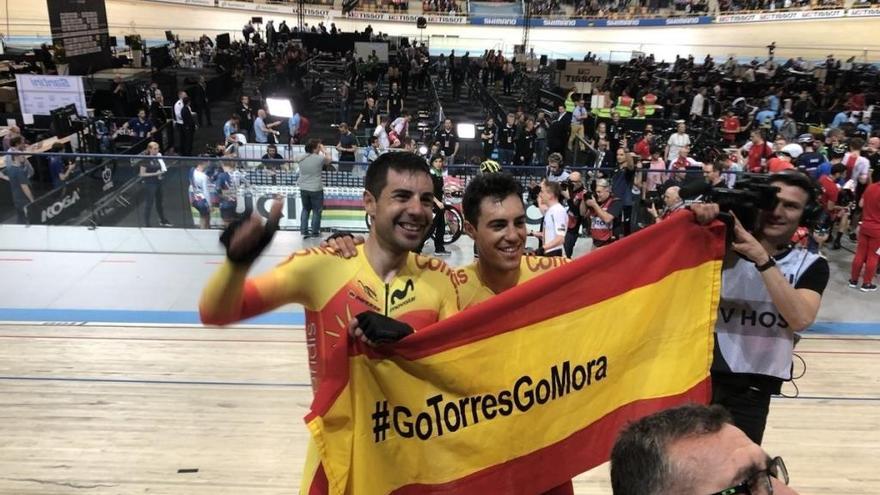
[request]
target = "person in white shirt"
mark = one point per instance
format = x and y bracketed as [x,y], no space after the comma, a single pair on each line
[698,104]
[381,134]
[200,194]
[178,119]
[555,219]
[677,141]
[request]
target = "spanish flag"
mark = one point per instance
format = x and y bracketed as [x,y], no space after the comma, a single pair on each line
[526,390]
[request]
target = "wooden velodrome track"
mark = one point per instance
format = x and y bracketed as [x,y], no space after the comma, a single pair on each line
[170,410]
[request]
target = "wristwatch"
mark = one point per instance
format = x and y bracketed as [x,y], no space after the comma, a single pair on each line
[770,263]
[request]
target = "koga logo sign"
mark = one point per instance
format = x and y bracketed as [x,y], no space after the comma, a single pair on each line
[59,206]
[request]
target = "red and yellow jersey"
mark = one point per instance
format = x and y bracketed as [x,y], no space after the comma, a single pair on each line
[472,291]
[332,290]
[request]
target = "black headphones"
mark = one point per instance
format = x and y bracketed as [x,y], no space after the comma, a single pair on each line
[796,178]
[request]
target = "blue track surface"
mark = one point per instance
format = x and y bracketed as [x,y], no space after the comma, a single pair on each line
[291,318]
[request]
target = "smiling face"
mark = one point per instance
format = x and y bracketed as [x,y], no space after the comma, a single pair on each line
[780,224]
[500,233]
[403,211]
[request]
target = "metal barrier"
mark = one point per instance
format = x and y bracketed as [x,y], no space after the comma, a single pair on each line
[146,190]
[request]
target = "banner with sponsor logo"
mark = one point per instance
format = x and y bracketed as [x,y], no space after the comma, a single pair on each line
[522,392]
[542,22]
[273,8]
[392,17]
[863,13]
[583,73]
[780,16]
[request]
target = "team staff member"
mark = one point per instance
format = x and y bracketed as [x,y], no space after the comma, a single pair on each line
[448,140]
[507,141]
[868,244]
[140,126]
[769,291]
[487,137]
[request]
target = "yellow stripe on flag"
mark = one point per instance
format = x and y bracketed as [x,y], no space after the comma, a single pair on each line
[451,414]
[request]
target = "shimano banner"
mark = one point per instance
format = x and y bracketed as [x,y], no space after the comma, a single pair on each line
[540,22]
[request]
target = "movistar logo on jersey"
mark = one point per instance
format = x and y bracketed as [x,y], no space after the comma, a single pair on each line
[400,294]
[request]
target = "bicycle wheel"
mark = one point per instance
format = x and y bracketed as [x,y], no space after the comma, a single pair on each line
[454,224]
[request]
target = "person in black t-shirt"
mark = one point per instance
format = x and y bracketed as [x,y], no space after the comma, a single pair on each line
[394,105]
[438,229]
[347,144]
[245,116]
[525,144]
[507,141]
[369,115]
[488,136]
[448,140]
[371,92]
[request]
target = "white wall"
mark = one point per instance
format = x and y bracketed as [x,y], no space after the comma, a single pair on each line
[810,39]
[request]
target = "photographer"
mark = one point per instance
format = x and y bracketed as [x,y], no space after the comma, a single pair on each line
[574,192]
[602,208]
[625,184]
[769,291]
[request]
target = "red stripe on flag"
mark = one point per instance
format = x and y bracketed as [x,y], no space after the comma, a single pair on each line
[551,466]
[636,261]
[319,485]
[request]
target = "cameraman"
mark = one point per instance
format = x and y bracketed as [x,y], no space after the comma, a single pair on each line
[769,291]
[574,192]
[603,208]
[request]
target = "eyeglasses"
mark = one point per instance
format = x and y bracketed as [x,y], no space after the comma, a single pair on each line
[761,482]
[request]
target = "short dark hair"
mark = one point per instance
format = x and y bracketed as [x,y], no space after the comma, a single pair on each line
[856,143]
[401,161]
[838,168]
[798,179]
[639,463]
[498,186]
[718,165]
[312,145]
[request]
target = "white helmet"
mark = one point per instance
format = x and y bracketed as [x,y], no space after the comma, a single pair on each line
[793,150]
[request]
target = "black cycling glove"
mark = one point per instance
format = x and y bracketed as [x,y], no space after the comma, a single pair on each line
[248,257]
[380,329]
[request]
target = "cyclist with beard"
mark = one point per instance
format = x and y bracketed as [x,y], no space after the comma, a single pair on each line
[384,275]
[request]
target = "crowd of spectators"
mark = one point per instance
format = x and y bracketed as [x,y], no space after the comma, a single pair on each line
[773,5]
[451,7]
[545,7]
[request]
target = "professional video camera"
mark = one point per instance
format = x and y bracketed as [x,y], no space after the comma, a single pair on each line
[751,196]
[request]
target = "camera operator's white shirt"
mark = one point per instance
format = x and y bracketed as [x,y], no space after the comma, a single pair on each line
[555,225]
